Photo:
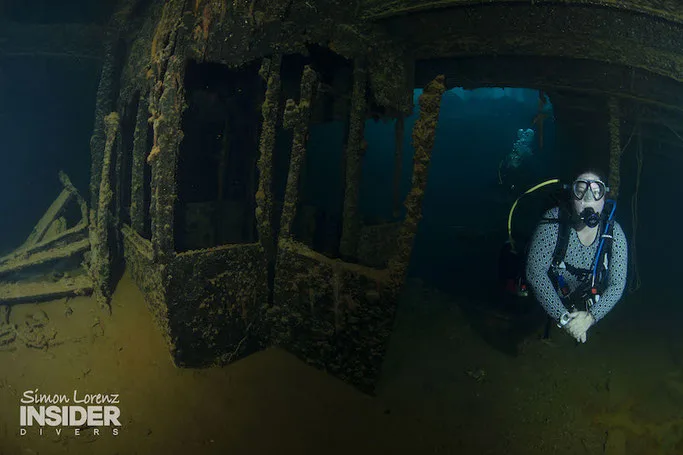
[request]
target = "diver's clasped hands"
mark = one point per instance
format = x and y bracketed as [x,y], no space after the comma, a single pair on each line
[578,325]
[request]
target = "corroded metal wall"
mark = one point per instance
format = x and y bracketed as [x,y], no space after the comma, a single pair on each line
[216,304]
[335,316]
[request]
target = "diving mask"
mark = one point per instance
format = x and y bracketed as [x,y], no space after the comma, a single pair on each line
[580,188]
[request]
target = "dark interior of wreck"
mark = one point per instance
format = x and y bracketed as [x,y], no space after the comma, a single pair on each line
[219,125]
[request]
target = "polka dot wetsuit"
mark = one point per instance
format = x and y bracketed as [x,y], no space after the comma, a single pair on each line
[540,258]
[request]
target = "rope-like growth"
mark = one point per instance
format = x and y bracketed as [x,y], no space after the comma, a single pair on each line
[615,147]
[635,282]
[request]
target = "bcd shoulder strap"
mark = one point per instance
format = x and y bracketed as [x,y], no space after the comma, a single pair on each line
[562,236]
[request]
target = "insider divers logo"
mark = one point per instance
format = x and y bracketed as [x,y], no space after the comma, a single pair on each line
[78,412]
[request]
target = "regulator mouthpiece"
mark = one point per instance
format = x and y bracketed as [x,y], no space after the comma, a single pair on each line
[589,217]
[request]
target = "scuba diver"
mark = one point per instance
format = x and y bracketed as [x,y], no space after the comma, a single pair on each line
[522,149]
[577,258]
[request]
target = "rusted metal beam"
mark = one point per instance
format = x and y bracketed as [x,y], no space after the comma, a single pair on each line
[43,257]
[101,219]
[270,72]
[354,155]
[40,239]
[296,117]
[68,236]
[525,30]
[166,106]
[31,291]
[424,133]
[55,210]
[104,104]
[382,9]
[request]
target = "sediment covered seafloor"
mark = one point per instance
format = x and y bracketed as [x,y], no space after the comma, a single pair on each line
[443,389]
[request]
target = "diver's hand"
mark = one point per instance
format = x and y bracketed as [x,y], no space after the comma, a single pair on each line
[579,324]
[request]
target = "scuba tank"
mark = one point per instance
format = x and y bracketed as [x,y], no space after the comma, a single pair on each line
[510,272]
[512,261]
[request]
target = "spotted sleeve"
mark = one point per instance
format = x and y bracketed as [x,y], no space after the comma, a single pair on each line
[539,260]
[616,281]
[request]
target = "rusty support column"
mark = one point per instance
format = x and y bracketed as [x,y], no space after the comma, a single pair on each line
[137,191]
[354,154]
[106,96]
[398,165]
[166,104]
[615,151]
[270,72]
[101,219]
[424,132]
[296,117]
[164,159]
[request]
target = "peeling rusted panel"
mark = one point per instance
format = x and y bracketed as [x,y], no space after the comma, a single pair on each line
[391,76]
[333,315]
[245,30]
[216,302]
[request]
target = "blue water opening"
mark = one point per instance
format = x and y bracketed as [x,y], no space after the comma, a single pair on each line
[491,144]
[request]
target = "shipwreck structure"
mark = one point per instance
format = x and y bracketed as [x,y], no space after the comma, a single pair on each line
[206,110]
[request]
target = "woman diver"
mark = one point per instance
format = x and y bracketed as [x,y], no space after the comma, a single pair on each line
[577,258]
